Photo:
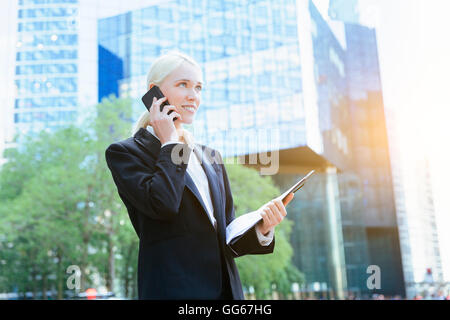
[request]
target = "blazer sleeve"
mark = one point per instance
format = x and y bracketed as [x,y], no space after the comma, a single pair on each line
[157,191]
[248,243]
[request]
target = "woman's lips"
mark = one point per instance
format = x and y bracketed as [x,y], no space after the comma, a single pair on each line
[189,108]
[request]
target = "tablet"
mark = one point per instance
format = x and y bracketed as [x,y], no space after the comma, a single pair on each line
[296,186]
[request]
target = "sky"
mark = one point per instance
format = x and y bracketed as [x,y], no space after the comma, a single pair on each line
[414,51]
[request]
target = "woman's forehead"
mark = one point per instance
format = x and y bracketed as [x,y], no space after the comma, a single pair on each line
[186,71]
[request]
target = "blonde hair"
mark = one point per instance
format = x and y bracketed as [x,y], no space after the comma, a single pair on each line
[160,69]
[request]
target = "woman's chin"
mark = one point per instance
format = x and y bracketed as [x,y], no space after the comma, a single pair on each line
[186,120]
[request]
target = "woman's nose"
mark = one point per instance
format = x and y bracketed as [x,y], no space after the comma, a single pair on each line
[192,95]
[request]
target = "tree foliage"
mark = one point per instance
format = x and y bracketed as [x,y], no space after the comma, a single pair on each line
[59,207]
[250,191]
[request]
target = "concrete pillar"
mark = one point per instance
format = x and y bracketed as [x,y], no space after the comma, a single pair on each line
[336,257]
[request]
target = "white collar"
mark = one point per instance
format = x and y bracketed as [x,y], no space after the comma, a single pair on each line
[150,129]
[185,132]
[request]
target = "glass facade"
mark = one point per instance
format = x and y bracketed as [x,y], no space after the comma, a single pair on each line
[331,85]
[344,10]
[245,45]
[262,94]
[371,160]
[46,73]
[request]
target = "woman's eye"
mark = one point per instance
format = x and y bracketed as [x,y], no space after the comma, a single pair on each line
[199,88]
[182,83]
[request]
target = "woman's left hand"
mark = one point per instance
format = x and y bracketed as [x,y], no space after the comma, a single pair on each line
[272,213]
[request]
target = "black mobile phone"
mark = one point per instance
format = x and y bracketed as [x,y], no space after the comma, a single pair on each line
[147,99]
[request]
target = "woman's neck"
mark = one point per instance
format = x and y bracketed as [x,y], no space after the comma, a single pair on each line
[179,128]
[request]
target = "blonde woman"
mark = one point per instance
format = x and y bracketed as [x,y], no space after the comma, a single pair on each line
[180,210]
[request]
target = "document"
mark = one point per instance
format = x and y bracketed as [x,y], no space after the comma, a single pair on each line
[243,223]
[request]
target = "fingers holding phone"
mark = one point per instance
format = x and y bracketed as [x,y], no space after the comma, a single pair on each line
[162,120]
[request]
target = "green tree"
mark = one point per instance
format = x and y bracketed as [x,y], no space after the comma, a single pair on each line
[40,189]
[250,191]
[60,207]
[110,121]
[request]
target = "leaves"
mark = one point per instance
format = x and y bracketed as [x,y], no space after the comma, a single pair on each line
[250,191]
[54,191]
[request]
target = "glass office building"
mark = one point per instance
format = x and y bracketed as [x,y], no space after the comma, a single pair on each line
[279,77]
[46,64]
[372,159]
[238,50]
[56,62]
[344,10]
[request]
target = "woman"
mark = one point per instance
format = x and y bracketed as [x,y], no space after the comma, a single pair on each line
[180,210]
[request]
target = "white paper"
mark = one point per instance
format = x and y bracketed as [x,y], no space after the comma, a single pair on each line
[242,224]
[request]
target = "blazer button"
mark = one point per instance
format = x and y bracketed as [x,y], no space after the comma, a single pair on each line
[178,169]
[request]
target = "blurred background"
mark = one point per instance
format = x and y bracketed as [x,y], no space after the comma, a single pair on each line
[354,89]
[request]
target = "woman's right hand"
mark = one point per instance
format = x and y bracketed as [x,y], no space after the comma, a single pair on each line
[162,122]
[273,213]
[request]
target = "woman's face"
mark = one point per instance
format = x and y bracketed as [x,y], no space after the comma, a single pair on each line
[182,87]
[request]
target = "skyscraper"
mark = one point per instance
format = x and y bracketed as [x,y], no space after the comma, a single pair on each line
[55,62]
[420,247]
[47,64]
[372,158]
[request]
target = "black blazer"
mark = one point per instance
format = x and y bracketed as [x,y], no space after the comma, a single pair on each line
[181,255]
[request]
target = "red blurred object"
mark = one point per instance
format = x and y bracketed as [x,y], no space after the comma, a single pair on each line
[91,293]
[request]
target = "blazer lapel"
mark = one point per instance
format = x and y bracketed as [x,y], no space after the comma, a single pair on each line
[213,182]
[191,186]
